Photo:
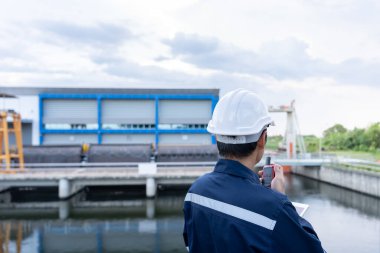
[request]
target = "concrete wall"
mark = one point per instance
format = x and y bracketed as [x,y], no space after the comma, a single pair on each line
[358,180]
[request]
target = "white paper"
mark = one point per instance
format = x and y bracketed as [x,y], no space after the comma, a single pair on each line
[300,208]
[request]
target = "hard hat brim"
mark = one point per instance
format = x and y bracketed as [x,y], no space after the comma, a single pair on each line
[240,139]
[241,131]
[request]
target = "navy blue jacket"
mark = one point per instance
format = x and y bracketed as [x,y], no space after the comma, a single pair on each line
[228,210]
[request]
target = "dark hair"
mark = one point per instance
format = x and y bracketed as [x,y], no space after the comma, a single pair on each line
[237,150]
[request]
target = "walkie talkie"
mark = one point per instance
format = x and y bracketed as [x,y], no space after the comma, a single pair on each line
[268,172]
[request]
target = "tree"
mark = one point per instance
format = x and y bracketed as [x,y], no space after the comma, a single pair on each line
[372,136]
[335,129]
[312,143]
[338,137]
[355,140]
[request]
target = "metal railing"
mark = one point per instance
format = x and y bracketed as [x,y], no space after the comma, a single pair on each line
[351,163]
[309,159]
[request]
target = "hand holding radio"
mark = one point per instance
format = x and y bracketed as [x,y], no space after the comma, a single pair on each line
[273,176]
[268,173]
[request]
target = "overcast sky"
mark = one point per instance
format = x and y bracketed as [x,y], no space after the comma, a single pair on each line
[325,54]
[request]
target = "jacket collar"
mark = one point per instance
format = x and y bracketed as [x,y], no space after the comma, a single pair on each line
[235,168]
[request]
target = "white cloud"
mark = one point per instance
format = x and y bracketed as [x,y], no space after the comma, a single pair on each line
[284,59]
[335,31]
[324,54]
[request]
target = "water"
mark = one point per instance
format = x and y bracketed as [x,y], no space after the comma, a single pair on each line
[119,221]
[345,221]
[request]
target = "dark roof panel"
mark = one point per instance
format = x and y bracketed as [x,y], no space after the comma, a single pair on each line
[52,90]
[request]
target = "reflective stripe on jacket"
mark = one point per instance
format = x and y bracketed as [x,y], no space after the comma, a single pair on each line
[228,210]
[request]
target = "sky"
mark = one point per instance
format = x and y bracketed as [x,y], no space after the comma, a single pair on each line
[324,54]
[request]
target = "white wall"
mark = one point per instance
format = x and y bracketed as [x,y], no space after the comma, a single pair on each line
[128,138]
[185,139]
[27,106]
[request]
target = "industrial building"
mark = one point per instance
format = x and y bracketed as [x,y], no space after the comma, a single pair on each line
[66,116]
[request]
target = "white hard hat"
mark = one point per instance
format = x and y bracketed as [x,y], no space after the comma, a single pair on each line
[239,117]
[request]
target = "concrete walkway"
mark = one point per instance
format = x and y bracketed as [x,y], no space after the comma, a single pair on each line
[71,180]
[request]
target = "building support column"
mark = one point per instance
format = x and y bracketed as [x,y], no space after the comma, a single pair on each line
[151,187]
[64,190]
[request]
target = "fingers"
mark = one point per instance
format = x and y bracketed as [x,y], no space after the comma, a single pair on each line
[278,182]
[260,173]
[278,169]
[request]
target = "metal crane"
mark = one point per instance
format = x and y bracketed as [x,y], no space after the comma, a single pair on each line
[292,137]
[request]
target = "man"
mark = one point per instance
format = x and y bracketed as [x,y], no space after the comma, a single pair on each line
[229,210]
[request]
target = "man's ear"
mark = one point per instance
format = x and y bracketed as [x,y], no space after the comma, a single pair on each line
[262,141]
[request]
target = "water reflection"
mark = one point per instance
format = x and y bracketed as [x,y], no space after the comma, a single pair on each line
[138,235]
[345,221]
[116,221]
[8,232]
[301,189]
[145,225]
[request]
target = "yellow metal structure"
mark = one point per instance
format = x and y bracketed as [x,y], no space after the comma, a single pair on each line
[5,237]
[5,152]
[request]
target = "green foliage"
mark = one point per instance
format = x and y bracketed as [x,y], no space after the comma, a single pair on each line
[273,142]
[311,143]
[334,137]
[373,136]
[338,137]
[335,129]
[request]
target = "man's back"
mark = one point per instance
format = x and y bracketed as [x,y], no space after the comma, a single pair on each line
[228,210]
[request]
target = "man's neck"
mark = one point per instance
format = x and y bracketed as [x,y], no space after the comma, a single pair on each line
[249,161]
